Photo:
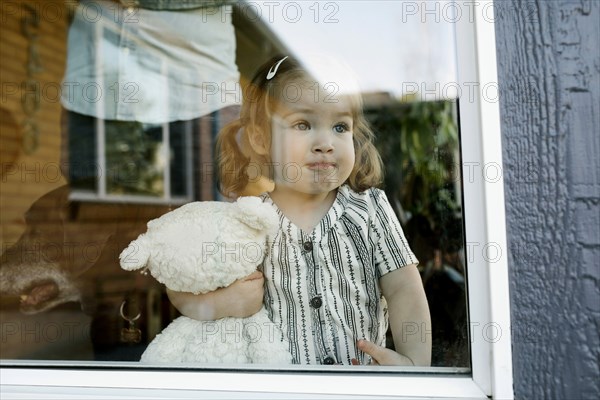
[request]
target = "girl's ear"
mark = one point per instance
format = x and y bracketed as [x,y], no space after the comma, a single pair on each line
[256,136]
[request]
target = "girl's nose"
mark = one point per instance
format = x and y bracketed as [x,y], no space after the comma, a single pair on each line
[323,144]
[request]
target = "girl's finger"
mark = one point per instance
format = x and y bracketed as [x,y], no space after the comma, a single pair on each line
[376,352]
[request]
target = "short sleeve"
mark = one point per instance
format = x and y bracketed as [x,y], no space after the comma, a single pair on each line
[391,249]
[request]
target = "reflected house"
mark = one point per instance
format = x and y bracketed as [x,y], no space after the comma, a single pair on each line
[61,286]
[63,294]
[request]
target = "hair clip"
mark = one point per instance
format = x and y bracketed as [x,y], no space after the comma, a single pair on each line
[273,69]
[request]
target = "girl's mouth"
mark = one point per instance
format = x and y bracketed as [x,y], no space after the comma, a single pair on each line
[321,165]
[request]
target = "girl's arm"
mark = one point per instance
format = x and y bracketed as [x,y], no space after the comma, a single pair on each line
[409,320]
[242,298]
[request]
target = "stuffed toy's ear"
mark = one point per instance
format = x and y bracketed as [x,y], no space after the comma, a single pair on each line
[136,255]
[256,214]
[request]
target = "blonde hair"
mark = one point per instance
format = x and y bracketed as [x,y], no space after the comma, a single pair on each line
[234,156]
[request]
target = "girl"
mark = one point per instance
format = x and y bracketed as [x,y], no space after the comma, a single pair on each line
[340,264]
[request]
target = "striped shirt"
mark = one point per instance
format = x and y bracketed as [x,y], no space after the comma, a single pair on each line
[322,287]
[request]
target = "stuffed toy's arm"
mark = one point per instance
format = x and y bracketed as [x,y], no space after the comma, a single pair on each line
[241,299]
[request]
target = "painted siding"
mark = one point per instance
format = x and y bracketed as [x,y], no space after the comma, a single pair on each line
[549,74]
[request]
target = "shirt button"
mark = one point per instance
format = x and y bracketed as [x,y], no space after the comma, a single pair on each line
[316,302]
[307,246]
[329,360]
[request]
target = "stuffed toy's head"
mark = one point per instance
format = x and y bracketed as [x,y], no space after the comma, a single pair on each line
[203,246]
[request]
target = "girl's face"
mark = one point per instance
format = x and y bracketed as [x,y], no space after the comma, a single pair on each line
[312,149]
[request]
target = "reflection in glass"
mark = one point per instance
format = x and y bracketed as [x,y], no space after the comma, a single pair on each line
[418,142]
[119,174]
[135,159]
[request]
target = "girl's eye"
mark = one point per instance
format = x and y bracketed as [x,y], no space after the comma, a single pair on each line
[341,128]
[302,126]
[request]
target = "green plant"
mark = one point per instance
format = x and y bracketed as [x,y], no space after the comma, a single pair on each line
[419,145]
[418,142]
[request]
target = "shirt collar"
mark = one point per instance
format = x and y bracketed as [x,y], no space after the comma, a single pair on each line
[325,225]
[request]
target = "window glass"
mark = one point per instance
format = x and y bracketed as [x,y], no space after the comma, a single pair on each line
[109,119]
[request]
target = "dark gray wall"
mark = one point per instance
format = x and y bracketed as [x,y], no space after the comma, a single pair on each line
[549,74]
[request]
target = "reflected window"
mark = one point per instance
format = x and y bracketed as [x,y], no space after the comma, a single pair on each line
[132,160]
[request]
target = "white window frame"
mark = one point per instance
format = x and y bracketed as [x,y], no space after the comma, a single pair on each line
[488,292]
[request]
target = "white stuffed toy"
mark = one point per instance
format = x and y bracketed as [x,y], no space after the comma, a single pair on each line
[200,247]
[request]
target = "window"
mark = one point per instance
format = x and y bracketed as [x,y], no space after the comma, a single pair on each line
[133,161]
[44,350]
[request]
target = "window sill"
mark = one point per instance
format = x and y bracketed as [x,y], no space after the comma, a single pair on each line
[73,382]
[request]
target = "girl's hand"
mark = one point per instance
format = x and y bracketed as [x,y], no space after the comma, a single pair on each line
[381,355]
[241,299]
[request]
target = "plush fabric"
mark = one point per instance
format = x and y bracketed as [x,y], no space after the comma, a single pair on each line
[198,248]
